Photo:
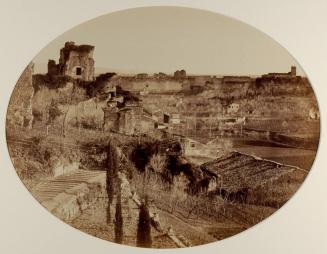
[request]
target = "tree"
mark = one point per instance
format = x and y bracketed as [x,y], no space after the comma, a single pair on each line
[119,220]
[52,113]
[66,113]
[144,227]
[110,193]
[112,158]
[112,166]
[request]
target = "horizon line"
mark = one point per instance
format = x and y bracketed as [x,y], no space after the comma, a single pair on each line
[134,72]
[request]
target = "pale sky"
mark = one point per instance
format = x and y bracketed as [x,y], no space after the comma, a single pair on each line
[164,39]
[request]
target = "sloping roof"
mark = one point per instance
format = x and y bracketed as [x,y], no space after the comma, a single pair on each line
[238,171]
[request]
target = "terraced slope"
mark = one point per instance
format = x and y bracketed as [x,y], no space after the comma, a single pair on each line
[48,189]
[67,196]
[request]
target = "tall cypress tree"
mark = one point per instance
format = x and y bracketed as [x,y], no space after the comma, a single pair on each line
[112,165]
[112,158]
[110,193]
[119,219]
[144,227]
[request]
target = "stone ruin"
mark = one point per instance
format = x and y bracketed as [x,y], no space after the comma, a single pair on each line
[76,61]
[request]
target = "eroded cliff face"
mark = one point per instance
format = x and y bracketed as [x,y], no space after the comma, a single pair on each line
[20,105]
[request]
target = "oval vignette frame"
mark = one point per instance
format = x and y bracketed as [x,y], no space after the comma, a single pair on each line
[74,110]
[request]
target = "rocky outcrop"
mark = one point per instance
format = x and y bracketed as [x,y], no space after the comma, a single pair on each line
[20,105]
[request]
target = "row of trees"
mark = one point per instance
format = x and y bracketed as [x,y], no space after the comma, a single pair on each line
[113,188]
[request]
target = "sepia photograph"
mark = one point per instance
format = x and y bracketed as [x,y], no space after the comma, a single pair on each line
[163,127]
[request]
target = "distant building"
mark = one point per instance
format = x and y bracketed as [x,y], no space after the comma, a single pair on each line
[171,118]
[290,74]
[293,71]
[236,80]
[127,121]
[191,147]
[175,119]
[233,108]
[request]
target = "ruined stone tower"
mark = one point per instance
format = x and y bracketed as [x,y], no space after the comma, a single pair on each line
[75,61]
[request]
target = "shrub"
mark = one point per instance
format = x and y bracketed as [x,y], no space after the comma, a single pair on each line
[53,112]
[158,163]
[141,155]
